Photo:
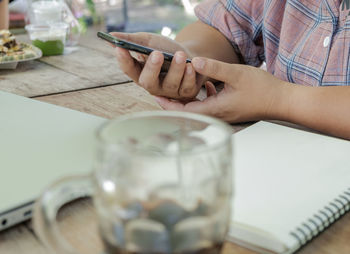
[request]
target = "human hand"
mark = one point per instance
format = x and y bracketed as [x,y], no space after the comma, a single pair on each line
[176,80]
[249,93]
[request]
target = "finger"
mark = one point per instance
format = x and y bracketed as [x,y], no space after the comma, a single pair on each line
[169,104]
[149,77]
[139,57]
[211,90]
[127,64]
[172,81]
[140,38]
[215,69]
[189,87]
[208,106]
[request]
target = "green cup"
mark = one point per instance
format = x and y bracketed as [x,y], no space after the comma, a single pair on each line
[50,39]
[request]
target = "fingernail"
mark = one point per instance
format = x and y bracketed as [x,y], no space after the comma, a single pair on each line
[179,58]
[188,69]
[198,63]
[155,58]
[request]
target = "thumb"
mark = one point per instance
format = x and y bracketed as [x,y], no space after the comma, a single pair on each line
[214,69]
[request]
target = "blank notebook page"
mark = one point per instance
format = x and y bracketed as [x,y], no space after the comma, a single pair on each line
[283,177]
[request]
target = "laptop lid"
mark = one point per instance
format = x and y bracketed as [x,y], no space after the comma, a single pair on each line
[39,143]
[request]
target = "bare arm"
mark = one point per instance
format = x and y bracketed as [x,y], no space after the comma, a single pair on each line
[326,109]
[4,18]
[203,40]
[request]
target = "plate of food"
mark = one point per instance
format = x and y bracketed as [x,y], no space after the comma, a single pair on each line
[11,52]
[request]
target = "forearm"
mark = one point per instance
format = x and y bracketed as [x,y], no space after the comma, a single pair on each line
[203,40]
[326,109]
[4,19]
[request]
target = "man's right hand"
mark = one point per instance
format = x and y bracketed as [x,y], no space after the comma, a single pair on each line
[177,80]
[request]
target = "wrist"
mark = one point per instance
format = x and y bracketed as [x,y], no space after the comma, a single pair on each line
[280,103]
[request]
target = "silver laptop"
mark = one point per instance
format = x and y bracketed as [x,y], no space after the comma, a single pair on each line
[39,143]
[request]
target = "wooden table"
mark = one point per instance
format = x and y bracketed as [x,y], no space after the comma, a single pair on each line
[89,80]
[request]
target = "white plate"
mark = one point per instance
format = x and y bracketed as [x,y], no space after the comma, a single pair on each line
[12,64]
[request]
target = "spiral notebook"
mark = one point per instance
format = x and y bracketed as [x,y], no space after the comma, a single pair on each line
[290,185]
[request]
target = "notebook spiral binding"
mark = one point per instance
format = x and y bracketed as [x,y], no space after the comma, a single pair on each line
[321,220]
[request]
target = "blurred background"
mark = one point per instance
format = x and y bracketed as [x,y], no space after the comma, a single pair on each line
[166,17]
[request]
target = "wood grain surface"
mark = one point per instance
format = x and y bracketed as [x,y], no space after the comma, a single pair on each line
[107,102]
[90,64]
[37,78]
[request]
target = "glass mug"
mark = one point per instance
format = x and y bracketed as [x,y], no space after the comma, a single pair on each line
[162,183]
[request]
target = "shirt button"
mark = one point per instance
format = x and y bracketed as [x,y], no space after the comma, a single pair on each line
[326,41]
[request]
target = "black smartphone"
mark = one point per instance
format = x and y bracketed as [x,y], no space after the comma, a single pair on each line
[133,46]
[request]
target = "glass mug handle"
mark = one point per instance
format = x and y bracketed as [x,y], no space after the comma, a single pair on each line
[47,205]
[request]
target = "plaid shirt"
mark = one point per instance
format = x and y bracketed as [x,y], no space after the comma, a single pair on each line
[302,41]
